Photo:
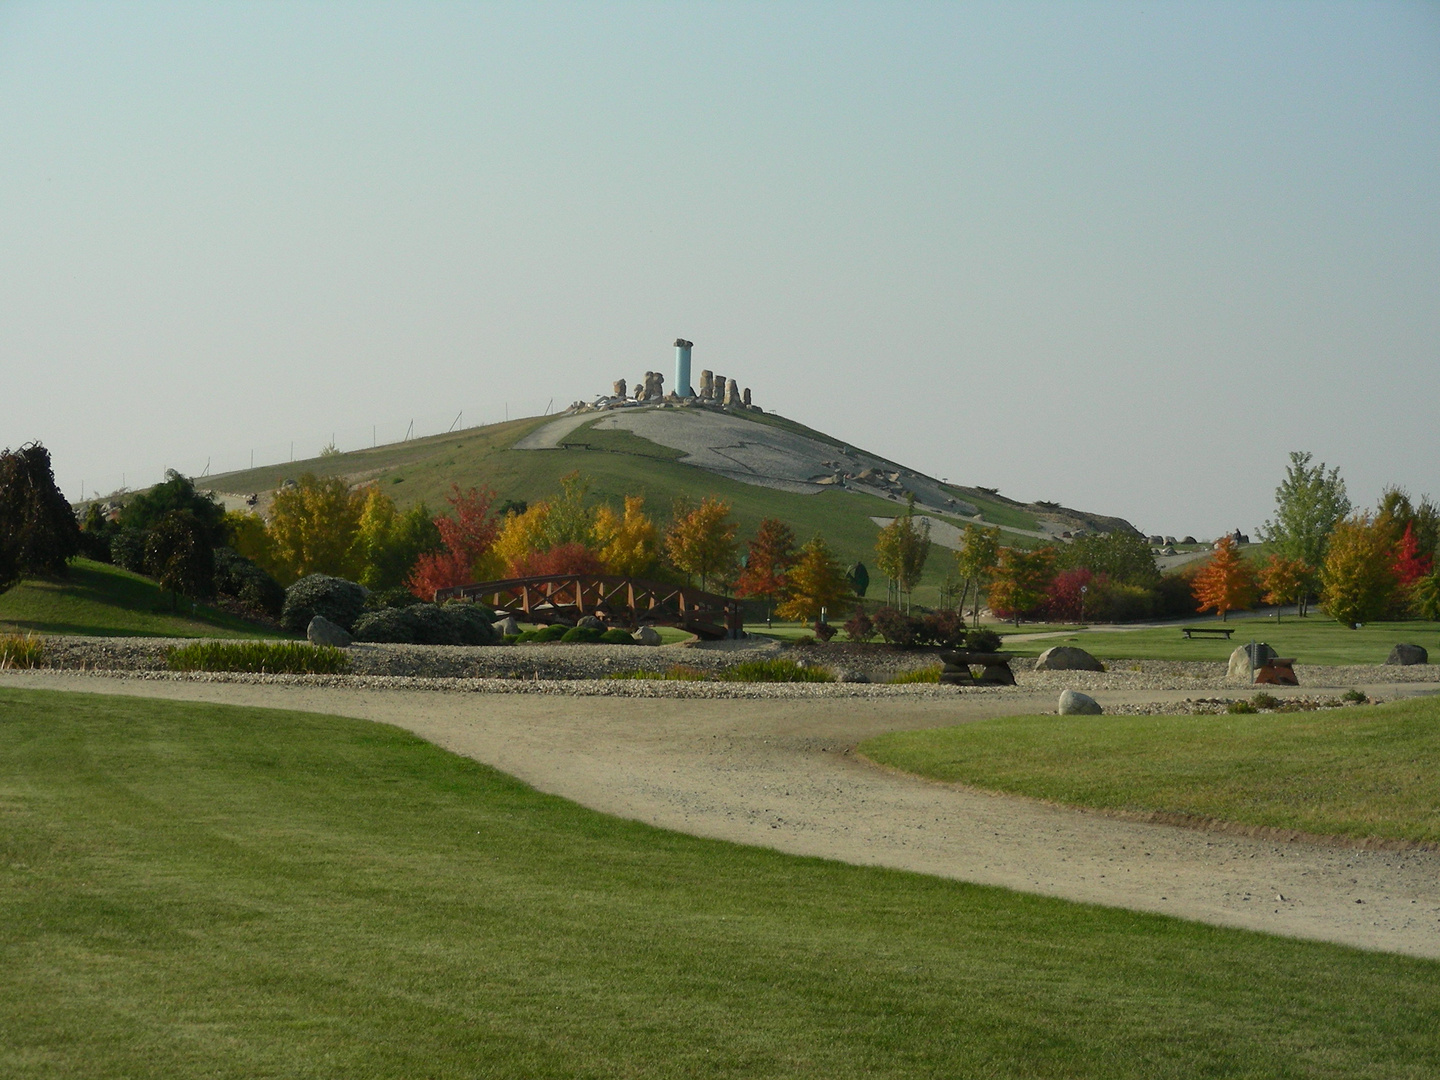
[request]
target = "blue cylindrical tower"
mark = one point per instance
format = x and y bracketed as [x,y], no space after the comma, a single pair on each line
[682,368]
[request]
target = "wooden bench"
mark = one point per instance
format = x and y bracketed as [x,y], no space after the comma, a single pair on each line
[1191,631]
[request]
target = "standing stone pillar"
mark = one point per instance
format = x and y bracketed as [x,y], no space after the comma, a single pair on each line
[618,390]
[707,384]
[732,392]
[746,397]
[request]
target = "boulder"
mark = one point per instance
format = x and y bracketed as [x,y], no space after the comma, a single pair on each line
[507,625]
[1246,658]
[618,390]
[1067,658]
[589,622]
[322,631]
[1074,703]
[1406,655]
[647,635]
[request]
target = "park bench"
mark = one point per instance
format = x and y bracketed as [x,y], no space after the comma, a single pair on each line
[1277,671]
[996,669]
[1191,631]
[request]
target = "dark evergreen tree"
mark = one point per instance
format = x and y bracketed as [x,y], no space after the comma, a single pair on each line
[146,509]
[179,556]
[38,530]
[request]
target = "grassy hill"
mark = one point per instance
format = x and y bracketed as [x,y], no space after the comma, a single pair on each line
[106,601]
[620,463]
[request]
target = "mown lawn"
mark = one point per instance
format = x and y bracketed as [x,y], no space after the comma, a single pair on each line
[1363,771]
[108,601]
[201,891]
[1311,640]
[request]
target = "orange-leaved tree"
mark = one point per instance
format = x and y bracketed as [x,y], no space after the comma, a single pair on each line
[816,583]
[1021,582]
[466,540]
[701,540]
[628,544]
[767,562]
[1285,581]
[1227,583]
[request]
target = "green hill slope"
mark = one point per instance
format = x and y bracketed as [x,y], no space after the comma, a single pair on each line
[619,463]
[107,602]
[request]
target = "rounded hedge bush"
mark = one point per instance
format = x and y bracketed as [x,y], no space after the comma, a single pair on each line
[428,624]
[616,636]
[240,578]
[584,635]
[336,599]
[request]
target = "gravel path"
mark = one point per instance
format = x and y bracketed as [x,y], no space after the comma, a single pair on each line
[781,773]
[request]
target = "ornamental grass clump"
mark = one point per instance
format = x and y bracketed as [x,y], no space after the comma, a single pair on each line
[676,672]
[265,657]
[780,669]
[917,675]
[21,651]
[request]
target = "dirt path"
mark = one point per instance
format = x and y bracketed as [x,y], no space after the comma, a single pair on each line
[778,774]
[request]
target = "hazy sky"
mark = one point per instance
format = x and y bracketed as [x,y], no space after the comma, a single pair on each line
[1125,256]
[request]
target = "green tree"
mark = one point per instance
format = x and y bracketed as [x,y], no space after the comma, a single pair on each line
[176,492]
[975,562]
[38,530]
[389,542]
[901,551]
[1122,557]
[1309,503]
[1358,583]
[179,556]
[815,584]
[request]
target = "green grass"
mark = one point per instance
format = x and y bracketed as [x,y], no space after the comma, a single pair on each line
[275,657]
[200,891]
[1312,640]
[107,601]
[1367,771]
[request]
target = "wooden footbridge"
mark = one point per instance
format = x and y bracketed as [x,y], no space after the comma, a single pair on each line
[619,601]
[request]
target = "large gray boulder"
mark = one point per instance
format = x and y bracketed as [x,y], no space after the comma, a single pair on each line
[322,631]
[1067,658]
[647,635]
[1406,655]
[1246,658]
[1074,703]
[590,622]
[507,625]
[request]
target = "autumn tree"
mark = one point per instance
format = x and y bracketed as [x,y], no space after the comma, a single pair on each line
[901,551]
[701,540]
[1227,582]
[313,527]
[466,539]
[522,534]
[768,560]
[627,544]
[976,560]
[38,530]
[1285,581]
[1358,582]
[1021,581]
[815,584]
[390,543]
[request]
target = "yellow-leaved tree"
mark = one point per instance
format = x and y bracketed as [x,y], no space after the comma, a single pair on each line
[816,582]
[701,540]
[1357,576]
[627,544]
[314,525]
[521,536]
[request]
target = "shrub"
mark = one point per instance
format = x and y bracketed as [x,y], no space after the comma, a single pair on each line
[983,640]
[544,634]
[780,669]
[272,657]
[918,675]
[21,651]
[238,577]
[397,597]
[127,550]
[336,599]
[428,624]
[1355,696]
[898,629]
[617,636]
[860,627]
[944,628]
[1263,700]
[581,635]
[1113,601]
[823,631]
[1240,707]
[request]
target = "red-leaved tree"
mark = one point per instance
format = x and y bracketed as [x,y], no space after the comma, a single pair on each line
[572,558]
[466,538]
[1064,602]
[770,558]
[1409,565]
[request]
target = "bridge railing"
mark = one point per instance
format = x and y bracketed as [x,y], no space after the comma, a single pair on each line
[616,598]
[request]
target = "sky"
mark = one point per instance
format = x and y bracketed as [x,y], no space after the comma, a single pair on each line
[1121,256]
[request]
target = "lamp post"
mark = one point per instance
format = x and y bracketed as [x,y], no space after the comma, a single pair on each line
[1083,590]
